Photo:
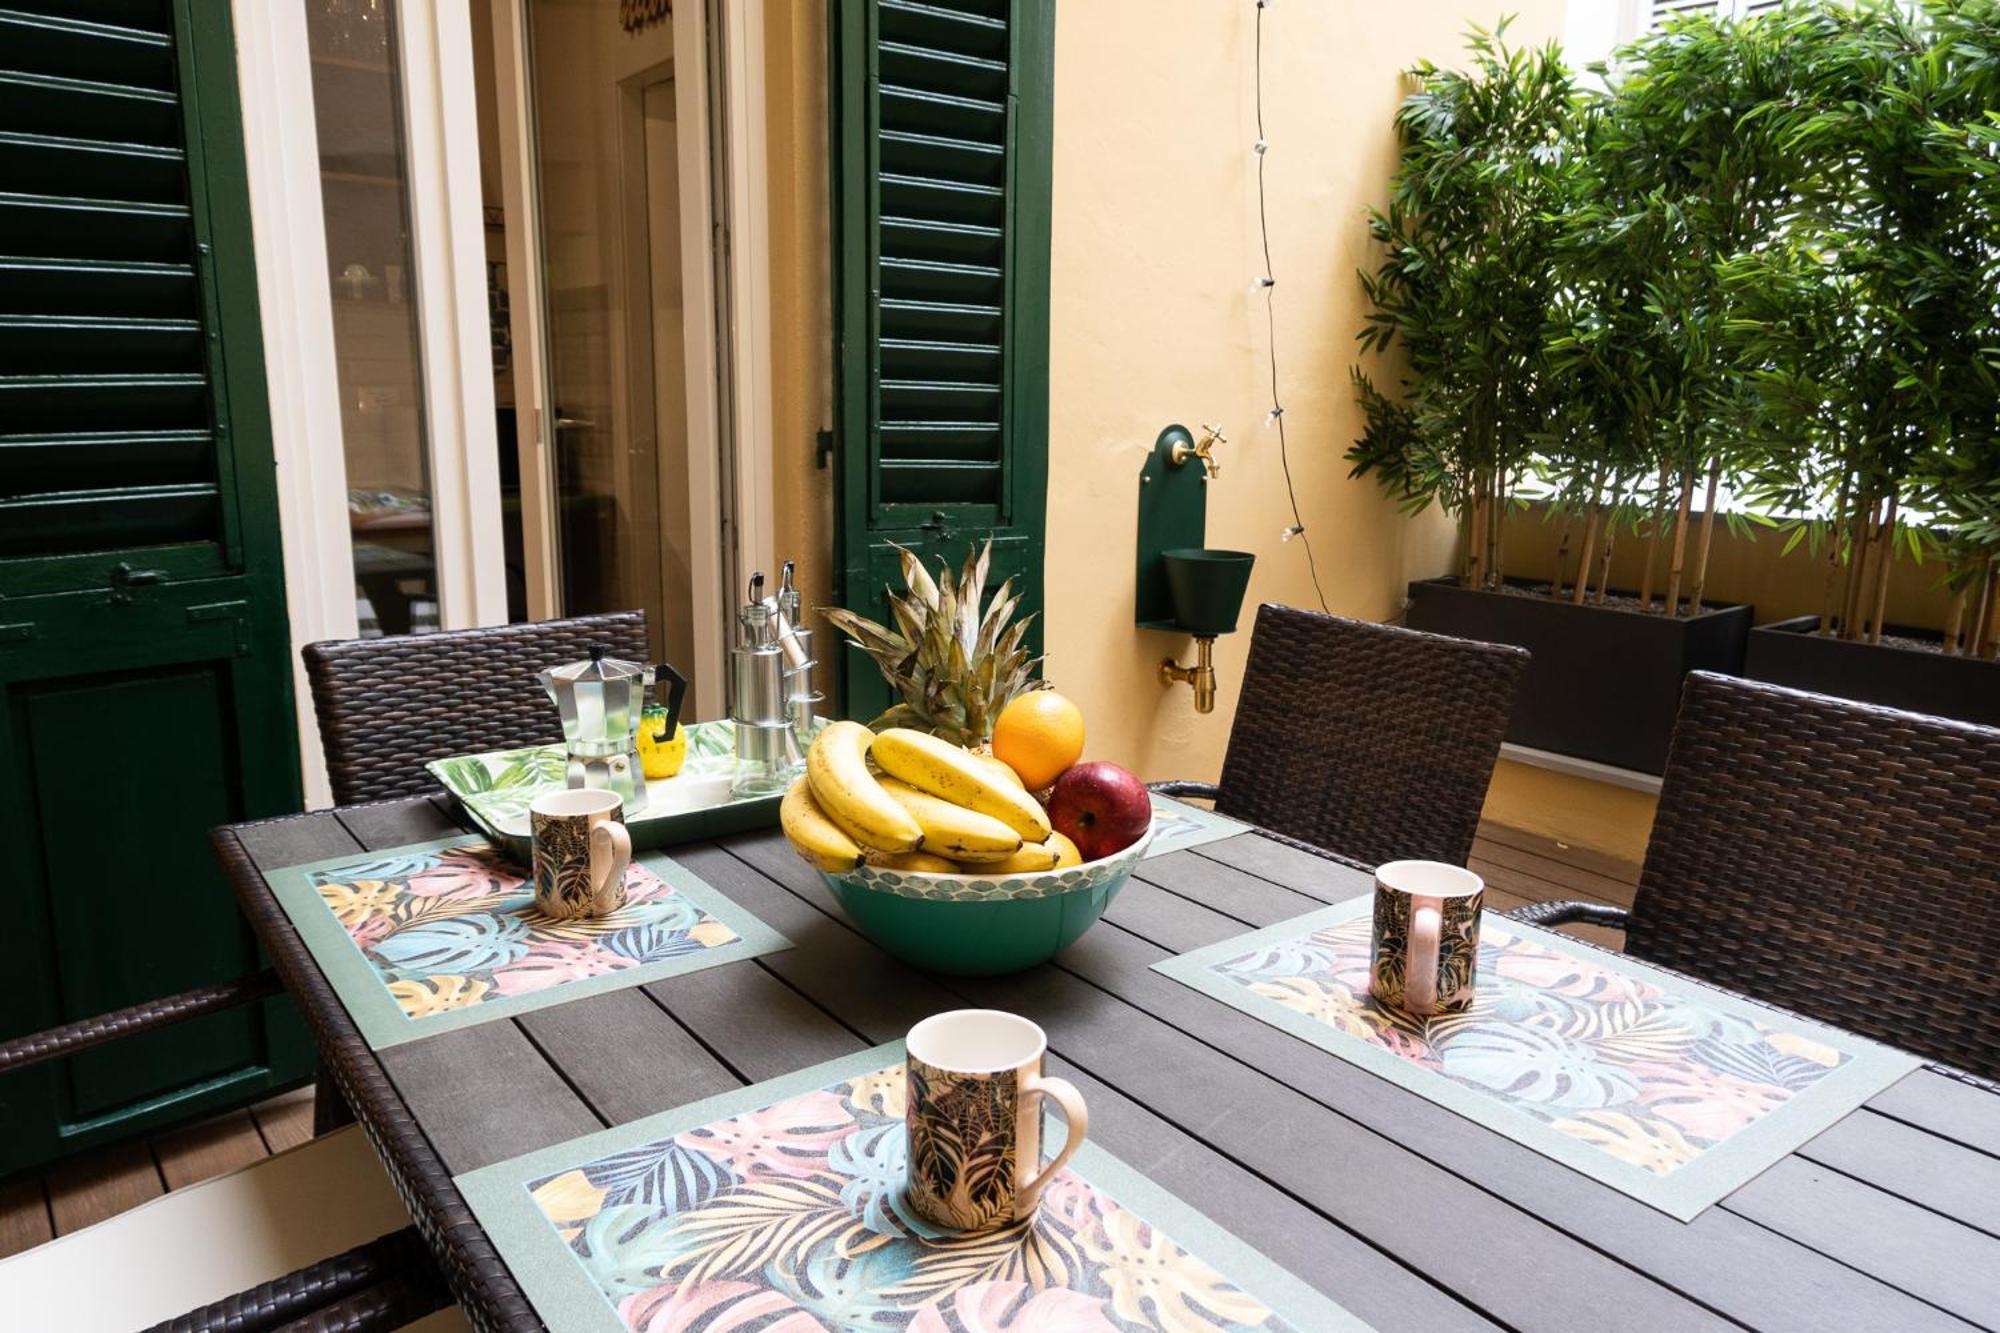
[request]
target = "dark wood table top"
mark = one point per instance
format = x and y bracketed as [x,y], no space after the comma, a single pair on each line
[1410,1216]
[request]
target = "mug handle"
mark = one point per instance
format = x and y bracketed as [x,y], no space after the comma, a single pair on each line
[1420,966]
[609,838]
[1075,1115]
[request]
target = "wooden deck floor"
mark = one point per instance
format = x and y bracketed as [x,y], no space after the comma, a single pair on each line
[1518,868]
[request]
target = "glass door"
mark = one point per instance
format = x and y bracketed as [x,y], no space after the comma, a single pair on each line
[364,187]
[606,182]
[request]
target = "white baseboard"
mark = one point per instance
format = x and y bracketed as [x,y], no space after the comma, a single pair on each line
[1581,768]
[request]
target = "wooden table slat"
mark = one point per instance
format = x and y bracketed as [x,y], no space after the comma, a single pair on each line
[1933,1258]
[1929,1171]
[484,1094]
[1947,1107]
[625,1055]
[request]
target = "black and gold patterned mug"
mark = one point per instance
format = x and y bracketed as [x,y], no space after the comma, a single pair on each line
[1424,953]
[581,852]
[975,1085]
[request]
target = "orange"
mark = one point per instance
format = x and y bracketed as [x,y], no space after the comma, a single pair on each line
[1039,735]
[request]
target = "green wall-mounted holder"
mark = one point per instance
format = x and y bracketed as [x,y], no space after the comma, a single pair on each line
[1173,514]
[1183,587]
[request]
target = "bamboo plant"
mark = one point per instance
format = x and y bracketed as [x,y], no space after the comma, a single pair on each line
[1869,324]
[1465,287]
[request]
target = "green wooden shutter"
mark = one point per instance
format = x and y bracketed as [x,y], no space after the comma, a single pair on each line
[145,682]
[942,121]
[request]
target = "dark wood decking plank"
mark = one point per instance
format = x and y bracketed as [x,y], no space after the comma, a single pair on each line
[1933,1258]
[1948,1107]
[1742,1270]
[753,1021]
[1406,1206]
[1545,878]
[1927,1170]
[1562,853]
[483,1094]
[625,1055]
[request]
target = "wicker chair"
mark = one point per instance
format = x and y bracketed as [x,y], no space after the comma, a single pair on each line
[1832,858]
[1368,741]
[388,706]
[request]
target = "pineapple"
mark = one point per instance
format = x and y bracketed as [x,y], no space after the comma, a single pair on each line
[955,665]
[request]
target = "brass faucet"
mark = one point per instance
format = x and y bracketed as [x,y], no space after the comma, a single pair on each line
[1204,449]
[1201,675]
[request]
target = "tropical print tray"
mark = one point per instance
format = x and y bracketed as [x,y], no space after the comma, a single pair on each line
[439,935]
[496,788]
[1654,1084]
[780,1206]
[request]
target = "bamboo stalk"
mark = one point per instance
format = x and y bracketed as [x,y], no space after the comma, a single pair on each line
[1835,531]
[1496,517]
[1989,642]
[1887,540]
[1707,539]
[1858,547]
[1604,566]
[1677,564]
[1954,624]
[1654,522]
[1982,603]
[1562,559]
[1473,538]
[1589,541]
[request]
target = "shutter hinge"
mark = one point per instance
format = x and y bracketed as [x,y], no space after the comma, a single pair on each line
[823,448]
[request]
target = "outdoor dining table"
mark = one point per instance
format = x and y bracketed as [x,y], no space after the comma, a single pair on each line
[1405,1213]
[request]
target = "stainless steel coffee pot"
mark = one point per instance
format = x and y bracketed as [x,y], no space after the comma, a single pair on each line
[602,702]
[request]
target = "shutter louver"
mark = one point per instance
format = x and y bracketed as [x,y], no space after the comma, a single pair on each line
[941,149]
[106,409]
[1661,12]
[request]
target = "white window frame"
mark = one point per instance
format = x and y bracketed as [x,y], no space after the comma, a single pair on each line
[281,148]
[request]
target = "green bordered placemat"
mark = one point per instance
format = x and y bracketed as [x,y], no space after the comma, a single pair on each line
[1667,1090]
[442,935]
[780,1205]
[1178,826]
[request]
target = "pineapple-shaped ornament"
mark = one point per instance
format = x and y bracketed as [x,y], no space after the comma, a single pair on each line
[955,661]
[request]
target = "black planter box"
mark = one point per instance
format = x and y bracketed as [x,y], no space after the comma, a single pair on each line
[1605,682]
[1788,652]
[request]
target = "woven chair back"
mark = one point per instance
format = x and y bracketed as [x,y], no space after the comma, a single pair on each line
[1373,742]
[1835,859]
[388,706]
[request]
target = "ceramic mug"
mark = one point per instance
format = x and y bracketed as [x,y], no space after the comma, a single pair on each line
[975,1118]
[581,851]
[1424,953]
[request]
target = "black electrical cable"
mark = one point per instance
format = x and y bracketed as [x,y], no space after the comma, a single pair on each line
[1270,285]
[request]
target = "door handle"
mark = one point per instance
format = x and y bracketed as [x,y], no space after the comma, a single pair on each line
[574,423]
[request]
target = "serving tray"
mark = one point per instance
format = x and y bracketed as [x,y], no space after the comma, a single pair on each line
[494,789]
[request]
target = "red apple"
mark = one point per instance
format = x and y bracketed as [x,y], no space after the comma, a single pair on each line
[1100,807]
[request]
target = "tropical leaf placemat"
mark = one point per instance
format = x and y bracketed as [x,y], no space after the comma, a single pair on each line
[444,934]
[780,1206]
[1178,826]
[496,788]
[1653,1084]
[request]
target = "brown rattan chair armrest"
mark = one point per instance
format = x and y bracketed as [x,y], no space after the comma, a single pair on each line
[36,1047]
[367,1271]
[1572,912]
[1201,791]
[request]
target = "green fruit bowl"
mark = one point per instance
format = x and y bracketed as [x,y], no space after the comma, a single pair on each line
[971,925]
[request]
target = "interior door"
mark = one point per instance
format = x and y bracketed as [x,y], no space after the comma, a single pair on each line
[144,677]
[942,122]
[628,516]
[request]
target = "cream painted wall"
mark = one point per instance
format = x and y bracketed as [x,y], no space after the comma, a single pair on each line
[1154,319]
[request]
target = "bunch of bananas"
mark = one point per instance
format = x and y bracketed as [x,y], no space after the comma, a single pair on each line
[911,801]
